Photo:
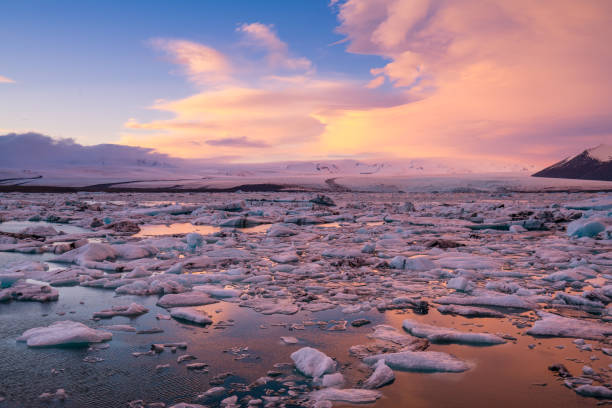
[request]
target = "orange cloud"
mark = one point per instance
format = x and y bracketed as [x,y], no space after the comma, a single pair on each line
[263,36]
[258,116]
[508,79]
[287,114]
[518,80]
[5,80]
[204,65]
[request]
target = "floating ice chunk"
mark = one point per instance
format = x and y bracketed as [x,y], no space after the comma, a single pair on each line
[190,314]
[40,231]
[131,251]
[235,222]
[595,391]
[7,279]
[269,306]
[468,311]
[517,228]
[457,260]
[91,252]
[139,288]
[233,206]
[444,335]
[303,220]
[312,363]
[230,402]
[460,284]
[186,405]
[138,272]
[552,255]
[577,300]
[59,395]
[289,340]
[133,309]
[217,292]
[579,273]
[175,269]
[382,375]
[585,227]
[120,327]
[26,291]
[513,301]
[368,248]
[558,326]
[349,395]
[390,333]
[420,361]
[413,263]
[193,298]
[598,204]
[280,230]
[63,333]
[175,209]
[588,370]
[335,380]
[228,254]
[211,394]
[332,252]
[286,257]
[194,240]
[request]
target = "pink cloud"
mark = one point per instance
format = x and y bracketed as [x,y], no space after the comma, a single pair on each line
[204,65]
[487,74]
[501,80]
[263,36]
[5,80]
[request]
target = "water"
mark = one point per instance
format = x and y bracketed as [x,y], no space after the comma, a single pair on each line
[503,374]
[181,228]
[508,375]
[18,226]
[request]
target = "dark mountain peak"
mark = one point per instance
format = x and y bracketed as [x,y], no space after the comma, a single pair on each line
[591,164]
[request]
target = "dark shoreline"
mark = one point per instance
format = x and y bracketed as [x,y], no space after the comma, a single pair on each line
[262,187]
[253,188]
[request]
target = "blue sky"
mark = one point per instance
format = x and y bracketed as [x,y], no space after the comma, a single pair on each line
[82,68]
[248,80]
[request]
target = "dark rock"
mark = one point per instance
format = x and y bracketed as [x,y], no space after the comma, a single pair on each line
[360,322]
[323,200]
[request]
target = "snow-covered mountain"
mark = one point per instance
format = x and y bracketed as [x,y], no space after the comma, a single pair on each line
[591,164]
[36,159]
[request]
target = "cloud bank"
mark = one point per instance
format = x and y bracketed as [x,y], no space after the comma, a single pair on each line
[496,78]
[519,80]
[263,107]
[36,151]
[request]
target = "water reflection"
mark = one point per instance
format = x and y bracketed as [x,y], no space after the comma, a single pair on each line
[182,228]
[504,375]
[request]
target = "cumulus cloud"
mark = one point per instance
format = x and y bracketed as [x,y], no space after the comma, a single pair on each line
[521,80]
[37,151]
[263,36]
[488,73]
[5,80]
[277,110]
[204,65]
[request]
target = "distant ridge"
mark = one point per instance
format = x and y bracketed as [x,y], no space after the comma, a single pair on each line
[592,164]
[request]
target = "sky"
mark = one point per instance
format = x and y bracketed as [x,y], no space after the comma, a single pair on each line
[246,81]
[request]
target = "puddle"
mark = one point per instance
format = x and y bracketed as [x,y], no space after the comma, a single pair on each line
[181,228]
